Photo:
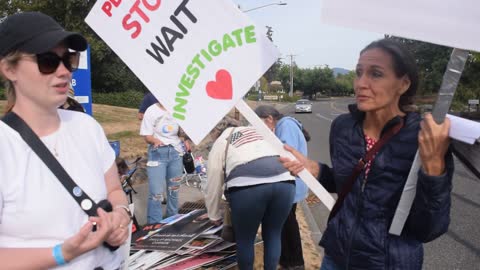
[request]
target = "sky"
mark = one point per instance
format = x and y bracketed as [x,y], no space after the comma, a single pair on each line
[298,30]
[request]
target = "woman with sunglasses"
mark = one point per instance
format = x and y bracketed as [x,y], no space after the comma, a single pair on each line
[41,224]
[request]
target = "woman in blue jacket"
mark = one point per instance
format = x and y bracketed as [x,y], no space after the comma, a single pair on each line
[357,236]
[291,132]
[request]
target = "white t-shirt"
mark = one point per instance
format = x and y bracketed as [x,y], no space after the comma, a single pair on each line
[162,126]
[35,208]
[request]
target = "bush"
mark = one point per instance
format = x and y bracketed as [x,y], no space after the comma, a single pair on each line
[287,98]
[129,99]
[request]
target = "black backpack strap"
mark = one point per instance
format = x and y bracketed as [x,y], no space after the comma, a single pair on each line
[86,203]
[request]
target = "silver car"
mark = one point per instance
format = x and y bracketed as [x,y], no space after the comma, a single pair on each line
[303,105]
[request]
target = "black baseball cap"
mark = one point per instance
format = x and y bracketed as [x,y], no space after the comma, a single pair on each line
[35,32]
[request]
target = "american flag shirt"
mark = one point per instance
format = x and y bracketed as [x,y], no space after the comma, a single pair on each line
[244,136]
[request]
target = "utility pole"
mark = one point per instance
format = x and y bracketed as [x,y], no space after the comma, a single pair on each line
[291,75]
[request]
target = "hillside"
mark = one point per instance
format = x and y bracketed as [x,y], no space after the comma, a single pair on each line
[337,71]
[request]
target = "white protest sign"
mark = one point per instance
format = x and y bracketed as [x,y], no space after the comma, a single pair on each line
[197,57]
[451,23]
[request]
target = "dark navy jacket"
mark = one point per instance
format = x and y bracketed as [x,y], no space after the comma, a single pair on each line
[357,237]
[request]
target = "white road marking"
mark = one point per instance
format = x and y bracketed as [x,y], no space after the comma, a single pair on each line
[324,117]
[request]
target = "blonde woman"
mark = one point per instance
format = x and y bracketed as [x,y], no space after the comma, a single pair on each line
[41,225]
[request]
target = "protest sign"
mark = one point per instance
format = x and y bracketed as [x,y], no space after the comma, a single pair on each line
[197,57]
[172,237]
[451,23]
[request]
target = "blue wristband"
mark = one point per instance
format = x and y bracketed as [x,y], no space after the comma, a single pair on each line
[58,255]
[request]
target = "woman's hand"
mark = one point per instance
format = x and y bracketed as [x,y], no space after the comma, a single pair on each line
[216,222]
[301,162]
[120,221]
[86,240]
[157,143]
[433,142]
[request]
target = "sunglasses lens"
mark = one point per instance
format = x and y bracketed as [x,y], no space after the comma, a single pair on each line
[48,62]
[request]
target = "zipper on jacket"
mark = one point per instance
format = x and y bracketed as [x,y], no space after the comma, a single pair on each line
[359,201]
[364,182]
[354,231]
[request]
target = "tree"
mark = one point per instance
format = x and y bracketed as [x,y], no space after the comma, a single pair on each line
[271,74]
[432,61]
[109,73]
[344,83]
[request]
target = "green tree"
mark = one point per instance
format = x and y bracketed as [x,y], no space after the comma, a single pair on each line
[344,83]
[109,73]
[432,61]
[272,73]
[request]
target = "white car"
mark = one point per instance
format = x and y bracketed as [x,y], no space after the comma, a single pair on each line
[303,105]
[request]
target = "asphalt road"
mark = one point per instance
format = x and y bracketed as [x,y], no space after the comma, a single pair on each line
[459,248]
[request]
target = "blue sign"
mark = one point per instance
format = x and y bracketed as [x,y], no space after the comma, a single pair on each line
[82,82]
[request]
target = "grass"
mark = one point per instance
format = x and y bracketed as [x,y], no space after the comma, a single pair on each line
[121,124]
[120,135]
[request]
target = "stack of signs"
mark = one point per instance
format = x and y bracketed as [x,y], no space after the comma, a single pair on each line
[172,236]
[181,241]
[185,241]
[192,55]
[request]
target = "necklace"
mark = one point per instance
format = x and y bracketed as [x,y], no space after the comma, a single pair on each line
[51,144]
[55,153]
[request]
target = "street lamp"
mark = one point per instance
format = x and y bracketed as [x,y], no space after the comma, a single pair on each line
[271,4]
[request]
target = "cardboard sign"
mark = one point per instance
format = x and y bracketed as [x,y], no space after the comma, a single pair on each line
[197,57]
[172,237]
[451,23]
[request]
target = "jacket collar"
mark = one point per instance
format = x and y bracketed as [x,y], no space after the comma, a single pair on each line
[359,116]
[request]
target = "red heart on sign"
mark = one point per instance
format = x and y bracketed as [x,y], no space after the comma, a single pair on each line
[222,87]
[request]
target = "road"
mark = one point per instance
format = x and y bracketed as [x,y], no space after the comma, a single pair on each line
[459,248]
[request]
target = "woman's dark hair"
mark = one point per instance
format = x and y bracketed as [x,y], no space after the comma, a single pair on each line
[403,64]
[264,111]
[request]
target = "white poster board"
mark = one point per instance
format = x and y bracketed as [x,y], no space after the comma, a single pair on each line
[197,57]
[451,23]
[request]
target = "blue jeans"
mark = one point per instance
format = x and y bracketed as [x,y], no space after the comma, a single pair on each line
[268,204]
[329,264]
[164,165]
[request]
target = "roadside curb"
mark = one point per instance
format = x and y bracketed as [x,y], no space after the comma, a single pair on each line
[315,232]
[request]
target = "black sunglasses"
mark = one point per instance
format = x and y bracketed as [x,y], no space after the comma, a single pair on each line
[48,62]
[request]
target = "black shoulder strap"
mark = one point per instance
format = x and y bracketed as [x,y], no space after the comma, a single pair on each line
[347,187]
[86,203]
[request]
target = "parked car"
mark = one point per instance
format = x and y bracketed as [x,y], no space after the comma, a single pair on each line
[303,105]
